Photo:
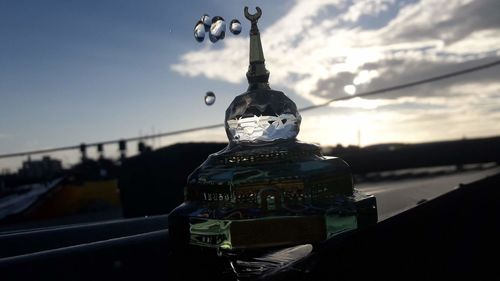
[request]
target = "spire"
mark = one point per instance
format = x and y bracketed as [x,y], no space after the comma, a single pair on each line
[257,74]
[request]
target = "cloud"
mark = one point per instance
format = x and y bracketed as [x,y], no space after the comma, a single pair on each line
[449,21]
[407,119]
[316,55]
[403,71]
[312,54]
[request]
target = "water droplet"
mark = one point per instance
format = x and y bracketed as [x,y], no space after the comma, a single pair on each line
[207,21]
[199,31]
[235,27]
[209,98]
[217,29]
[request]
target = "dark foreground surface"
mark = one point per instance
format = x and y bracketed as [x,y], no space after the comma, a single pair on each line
[396,196]
[454,236]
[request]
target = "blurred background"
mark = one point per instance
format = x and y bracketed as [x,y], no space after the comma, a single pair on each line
[91,91]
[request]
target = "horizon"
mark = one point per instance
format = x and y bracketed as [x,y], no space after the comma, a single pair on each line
[93,155]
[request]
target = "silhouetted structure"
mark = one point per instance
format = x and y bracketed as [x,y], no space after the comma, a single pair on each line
[122,147]
[44,168]
[100,150]
[153,183]
[92,170]
[83,151]
[142,147]
[394,156]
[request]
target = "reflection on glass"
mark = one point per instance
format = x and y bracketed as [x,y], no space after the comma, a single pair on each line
[262,116]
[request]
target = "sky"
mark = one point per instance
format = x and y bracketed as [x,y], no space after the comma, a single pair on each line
[89,71]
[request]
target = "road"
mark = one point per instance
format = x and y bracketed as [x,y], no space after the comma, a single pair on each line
[394,197]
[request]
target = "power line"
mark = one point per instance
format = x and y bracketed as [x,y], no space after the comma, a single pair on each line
[307,108]
[49,150]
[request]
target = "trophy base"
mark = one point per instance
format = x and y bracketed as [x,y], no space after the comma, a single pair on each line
[271,231]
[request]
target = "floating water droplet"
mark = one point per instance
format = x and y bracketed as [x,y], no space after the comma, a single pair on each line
[199,31]
[209,98]
[207,21]
[217,29]
[235,27]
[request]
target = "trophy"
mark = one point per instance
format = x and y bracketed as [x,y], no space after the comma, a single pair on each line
[266,188]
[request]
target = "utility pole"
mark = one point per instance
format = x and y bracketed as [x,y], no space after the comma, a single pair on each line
[83,151]
[100,150]
[122,146]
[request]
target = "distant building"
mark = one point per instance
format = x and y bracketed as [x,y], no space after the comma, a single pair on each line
[44,168]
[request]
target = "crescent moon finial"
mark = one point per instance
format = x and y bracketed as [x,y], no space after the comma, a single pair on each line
[255,17]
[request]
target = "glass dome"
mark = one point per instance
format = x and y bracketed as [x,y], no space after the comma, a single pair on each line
[262,116]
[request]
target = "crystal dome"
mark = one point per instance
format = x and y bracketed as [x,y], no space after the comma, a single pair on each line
[262,116]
